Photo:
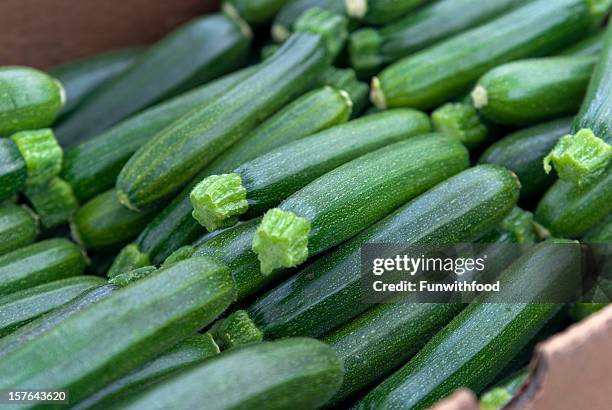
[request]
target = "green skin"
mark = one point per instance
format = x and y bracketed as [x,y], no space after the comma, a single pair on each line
[29,99]
[481,340]
[197,52]
[22,307]
[590,46]
[291,371]
[522,152]
[602,233]
[53,202]
[13,172]
[384,11]
[39,263]
[330,287]
[256,12]
[427,79]
[92,166]
[18,227]
[497,397]
[156,313]
[290,12]
[531,91]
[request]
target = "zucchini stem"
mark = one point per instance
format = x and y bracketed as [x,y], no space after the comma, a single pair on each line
[377,96]
[480,97]
[128,259]
[460,121]
[54,201]
[236,330]
[279,33]
[41,154]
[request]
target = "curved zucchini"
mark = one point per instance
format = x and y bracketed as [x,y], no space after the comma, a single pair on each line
[176,155]
[29,99]
[39,263]
[195,53]
[426,79]
[18,227]
[333,208]
[380,11]
[136,323]
[54,201]
[293,9]
[19,308]
[255,12]
[291,373]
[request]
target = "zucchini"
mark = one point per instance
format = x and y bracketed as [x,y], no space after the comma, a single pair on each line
[29,99]
[497,397]
[255,12]
[13,173]
[293,9]
[334,208]
[92,166]
[81,77]
[460,121]
[18,227]
[39,263]
[371,48]
[259,184]
[428,78]
[530,91]
[380,11]
[184,355]
[327,293]
[135,325]
[292,373]
[482,339]
[195,53]
[523,151]
[19,308]
[54,202]
[602,233]
[590,46]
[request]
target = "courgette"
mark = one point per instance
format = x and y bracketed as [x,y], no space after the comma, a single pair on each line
[333,208]
[29,99]
[292,373]
[255,12]
[293,9]
[18,227]
[327,293]
[176,155]
[428,78]
[380,11]
[371,48]
[19,308]
[259,184]
[483,338]
[522,152]
[39,263]
[195,53]
[134,325]
[54,201]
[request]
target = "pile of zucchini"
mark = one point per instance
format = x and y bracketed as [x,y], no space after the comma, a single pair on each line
[181,226]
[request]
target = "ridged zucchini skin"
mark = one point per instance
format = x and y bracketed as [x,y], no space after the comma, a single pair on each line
[336,208]
[136,324]
[81,77]
[481,340]
[533,90]
[330,287]
[18,227]
[53,201]
[380,11]
[371,48]
[255,12]
[290,12]
[175,155]
[291,373]
[19,308]
[198,51]
[185,354]
[523,151]
[92,166]
[430,77]
[13,172]
[39,263]
[29,99]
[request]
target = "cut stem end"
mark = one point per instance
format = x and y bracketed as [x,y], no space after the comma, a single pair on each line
[218,201]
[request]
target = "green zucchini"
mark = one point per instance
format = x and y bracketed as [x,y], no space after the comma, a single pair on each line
[497,397]
[184,355]
[81,77]
[13,172]
[523,151]
[380,11]
[18,227]
[482,339]
[327,293]
[135,325]
[19,308]
[333,208]
[460,121]
[428,78]
[195,53]
[263,182]
[371,48]
[38,263]
[590,46]
[255,12]
[602,233]
[54,201]
[293,9]
[131,276]
[92,166]
[291,373]
[176,155]
[530,91]
[29,99]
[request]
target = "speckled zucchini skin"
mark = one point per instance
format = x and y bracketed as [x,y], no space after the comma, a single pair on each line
[18,227]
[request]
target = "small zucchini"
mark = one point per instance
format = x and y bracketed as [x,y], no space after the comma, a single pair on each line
[54,201]
[380,11]
[18,227]
[29,99]
[428,78]
[291,373]
[293,9]
[255,12]
[333,208]
[39,263]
